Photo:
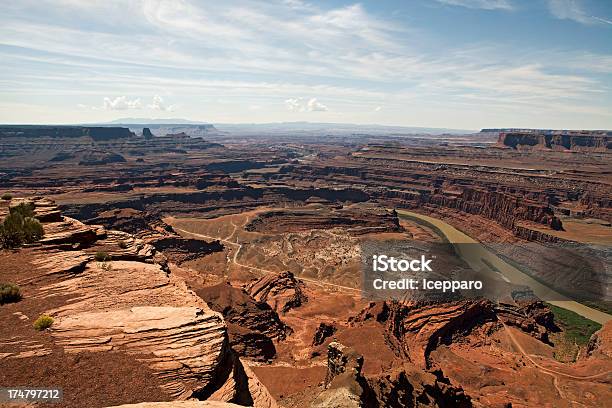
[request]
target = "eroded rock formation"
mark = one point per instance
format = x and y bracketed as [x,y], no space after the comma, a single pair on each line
[129,301]
[323,332]
[405,386]
[252,325]
[282,292]
[550,139]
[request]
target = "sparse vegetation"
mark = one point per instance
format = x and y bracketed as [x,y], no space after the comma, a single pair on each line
[9,292]
[103,260]
[43,322]
[577,328]
[576,333]
[20,227]
[122,244]
[7,196]
[102,256]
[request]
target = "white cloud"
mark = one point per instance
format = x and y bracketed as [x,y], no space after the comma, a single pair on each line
[121,103]
[303,105]
[294,104]
[158,104]
[254,53]
[316,106]
[480,4]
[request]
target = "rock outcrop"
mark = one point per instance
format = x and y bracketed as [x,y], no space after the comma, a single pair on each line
[282,292]
[252,325]
[130,302]
[345,386]
[356,220]
[556,139]
[404,386]
[180,404]
[322,333]
[507,209]
[600,344]
[532,317]
[146,133]
[415,329]
[409,387]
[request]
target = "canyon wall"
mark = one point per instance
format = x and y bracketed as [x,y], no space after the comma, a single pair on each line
[565,140]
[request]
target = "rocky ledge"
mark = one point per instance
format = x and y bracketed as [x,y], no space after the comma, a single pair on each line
[112,292]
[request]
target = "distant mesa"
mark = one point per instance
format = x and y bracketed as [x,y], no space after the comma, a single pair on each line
[95,158]
[88,157]
[146,133]
[96,133]
[575,140]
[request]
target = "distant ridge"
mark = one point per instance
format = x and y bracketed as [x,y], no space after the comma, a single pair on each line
[294,127]
[149,121]
[335,128]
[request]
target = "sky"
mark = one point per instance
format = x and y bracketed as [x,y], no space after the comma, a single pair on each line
[463,64]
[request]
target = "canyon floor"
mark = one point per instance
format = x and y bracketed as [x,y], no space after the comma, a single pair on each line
[229,269]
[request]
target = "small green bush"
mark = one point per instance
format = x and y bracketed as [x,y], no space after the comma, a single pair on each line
[43,322]
[19,227]
[7,196]
[122,244]
[9,292]
[102,256]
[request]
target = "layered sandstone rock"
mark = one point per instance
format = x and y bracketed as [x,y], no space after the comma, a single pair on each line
[569,140]
[407,386]
[180,404]
[69,232]
[61,132]
[129,302]
[532,317]
[345,386]
[415,329]
[403,386]
[136,307]
[252,325]
[356,220]
[282,292]
[505,208]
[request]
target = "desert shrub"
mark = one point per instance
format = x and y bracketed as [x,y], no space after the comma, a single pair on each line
[7,196]
[9,292]
[24,209]
[19,227]
[43,322]
[122,244]
[102,256]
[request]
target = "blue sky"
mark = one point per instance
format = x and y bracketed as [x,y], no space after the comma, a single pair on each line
[441,63]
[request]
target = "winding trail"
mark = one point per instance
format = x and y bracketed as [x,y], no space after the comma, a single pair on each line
[546,369]
[479,258]
[238,248]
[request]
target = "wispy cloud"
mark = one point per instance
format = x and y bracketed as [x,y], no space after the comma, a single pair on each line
[573,10]
[480,4]
[313,56]
[602,20]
